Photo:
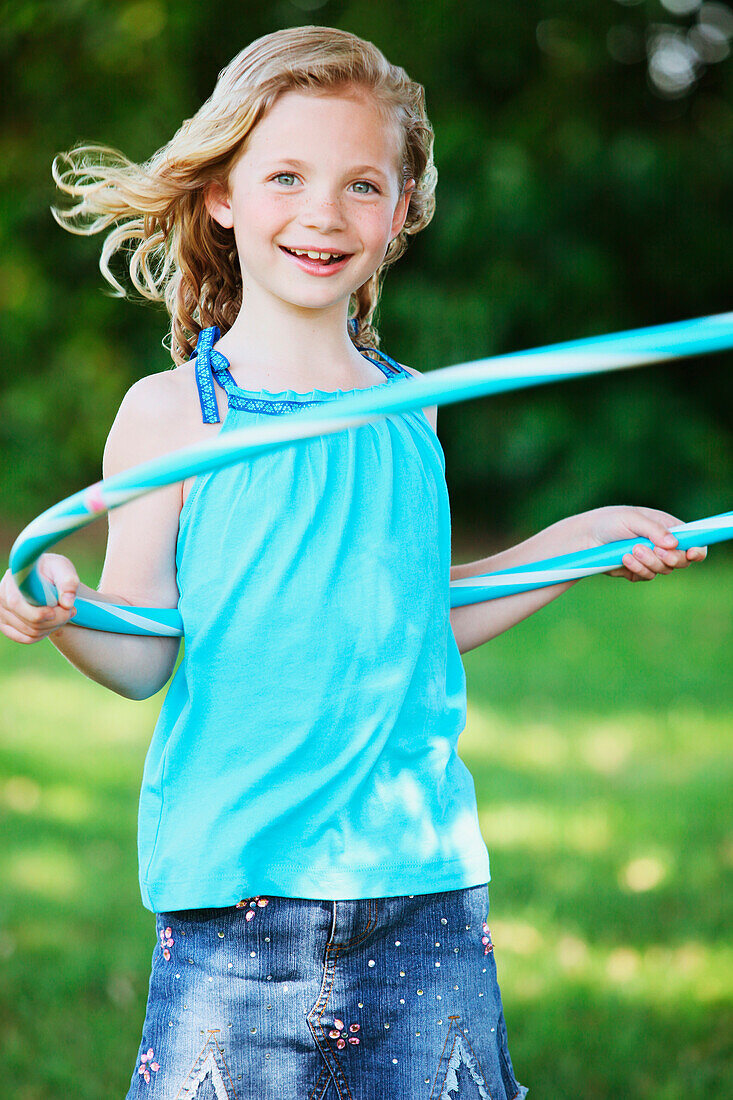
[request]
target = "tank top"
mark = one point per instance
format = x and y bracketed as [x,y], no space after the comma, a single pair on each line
[306,746]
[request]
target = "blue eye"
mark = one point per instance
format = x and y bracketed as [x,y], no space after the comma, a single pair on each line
[359,183]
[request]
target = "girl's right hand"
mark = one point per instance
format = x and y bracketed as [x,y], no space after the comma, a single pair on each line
[22,621]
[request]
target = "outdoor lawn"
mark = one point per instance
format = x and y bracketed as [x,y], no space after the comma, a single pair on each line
[599,738]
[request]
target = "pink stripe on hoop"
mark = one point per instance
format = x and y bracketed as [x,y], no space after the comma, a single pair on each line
[94,500]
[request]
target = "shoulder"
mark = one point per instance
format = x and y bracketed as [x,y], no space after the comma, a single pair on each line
[431,412]
[156,415]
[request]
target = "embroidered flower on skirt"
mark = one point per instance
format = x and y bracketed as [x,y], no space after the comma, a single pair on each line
[269,1011]
[253,903]
[166,941]
[146,1065]
[340,1034]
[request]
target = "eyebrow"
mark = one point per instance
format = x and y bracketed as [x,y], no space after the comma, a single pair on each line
[357,170]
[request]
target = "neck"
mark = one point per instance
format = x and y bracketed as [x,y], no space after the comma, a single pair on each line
[294,347]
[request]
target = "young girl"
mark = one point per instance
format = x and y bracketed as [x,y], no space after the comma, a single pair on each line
[308,835]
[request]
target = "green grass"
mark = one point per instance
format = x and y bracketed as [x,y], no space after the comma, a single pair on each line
[598,736]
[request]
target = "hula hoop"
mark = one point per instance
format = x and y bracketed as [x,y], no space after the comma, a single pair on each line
[497,374]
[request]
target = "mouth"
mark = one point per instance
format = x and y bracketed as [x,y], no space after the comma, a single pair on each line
[318,266]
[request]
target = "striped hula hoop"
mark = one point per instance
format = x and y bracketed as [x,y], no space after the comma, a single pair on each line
[497,374]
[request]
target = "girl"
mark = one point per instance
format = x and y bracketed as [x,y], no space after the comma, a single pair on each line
[306,748]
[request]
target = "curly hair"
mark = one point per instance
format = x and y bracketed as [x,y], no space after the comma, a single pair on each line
[178,252]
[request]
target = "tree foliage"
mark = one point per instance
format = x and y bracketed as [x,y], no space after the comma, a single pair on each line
[575,197]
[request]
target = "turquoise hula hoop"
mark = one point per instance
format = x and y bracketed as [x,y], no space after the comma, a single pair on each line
[447,385]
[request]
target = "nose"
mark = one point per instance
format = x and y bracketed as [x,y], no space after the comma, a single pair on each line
[323,213]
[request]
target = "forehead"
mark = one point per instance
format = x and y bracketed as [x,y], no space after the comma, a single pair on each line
[350,122]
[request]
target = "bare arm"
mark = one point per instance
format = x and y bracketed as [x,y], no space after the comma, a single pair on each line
[139,566]
[474,624]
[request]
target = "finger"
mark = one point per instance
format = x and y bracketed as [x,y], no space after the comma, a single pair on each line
[646,522]
[697,553]
[16,635]
[637,568]
[650,559]
[67,595]
[21,630]
[675,559]
[60,572]
[38,621]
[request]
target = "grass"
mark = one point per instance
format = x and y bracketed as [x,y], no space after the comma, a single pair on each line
[598,737]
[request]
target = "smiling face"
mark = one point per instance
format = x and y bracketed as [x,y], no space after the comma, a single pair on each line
[319,173]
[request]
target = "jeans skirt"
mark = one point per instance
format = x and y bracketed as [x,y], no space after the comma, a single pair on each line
[280,998]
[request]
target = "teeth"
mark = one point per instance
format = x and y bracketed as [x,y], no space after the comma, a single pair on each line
[314,255]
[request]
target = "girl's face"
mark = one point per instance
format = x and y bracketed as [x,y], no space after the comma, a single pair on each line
[319,173]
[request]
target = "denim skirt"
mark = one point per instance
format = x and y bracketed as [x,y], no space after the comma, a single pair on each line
[280,998]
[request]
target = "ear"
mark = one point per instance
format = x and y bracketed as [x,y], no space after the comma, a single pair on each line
[217,203]
[403,204]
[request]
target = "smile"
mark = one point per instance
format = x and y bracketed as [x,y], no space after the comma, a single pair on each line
[318,266]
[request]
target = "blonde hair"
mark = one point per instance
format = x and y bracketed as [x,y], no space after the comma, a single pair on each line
[179,253]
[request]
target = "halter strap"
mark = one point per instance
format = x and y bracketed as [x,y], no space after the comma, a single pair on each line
[212,364]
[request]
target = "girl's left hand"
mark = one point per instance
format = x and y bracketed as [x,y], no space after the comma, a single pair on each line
[616,524]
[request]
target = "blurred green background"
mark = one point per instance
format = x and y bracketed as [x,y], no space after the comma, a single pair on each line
[584,151]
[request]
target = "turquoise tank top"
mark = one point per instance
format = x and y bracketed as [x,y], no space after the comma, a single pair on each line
[306,746]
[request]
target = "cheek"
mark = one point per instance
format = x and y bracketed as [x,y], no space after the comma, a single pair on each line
[373,225]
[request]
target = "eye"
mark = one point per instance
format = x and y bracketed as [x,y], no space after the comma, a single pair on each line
[367,184]
[284,175]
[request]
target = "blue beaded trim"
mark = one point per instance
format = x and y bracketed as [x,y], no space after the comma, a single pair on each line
[272,408]
[212,364]
[204,381]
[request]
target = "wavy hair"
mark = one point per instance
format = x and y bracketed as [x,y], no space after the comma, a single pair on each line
[177,252]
